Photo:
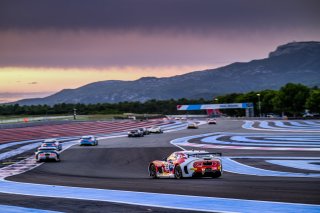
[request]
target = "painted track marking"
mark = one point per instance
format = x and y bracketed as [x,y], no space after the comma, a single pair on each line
[185,202]
[283,126]
[18,209]
[251,141]
[232,166]
[313,165]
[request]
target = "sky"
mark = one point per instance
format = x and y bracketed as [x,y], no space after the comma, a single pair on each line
[50,45]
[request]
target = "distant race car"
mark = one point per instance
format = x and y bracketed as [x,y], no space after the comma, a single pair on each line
[88,140]
[135,133]
[144,130]
[192,125]
[211,121]
[183,164]
[52,143]
[155,129]
[47,153]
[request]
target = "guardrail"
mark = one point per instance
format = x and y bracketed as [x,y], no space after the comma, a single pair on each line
[30,119]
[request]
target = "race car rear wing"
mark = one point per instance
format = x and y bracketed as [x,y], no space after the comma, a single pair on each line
[204,155]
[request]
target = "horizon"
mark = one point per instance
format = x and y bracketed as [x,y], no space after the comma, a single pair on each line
[47,50]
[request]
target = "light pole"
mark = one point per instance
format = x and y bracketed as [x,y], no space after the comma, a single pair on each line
[259,104]
[74,114]
[215,100]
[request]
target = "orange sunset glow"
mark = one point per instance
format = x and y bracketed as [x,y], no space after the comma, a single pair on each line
[50,80]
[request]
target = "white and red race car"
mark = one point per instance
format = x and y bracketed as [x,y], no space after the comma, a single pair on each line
[182,164]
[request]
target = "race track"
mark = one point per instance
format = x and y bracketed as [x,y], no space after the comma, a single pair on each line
[260,162]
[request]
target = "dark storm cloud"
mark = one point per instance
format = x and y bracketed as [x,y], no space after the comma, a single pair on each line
[190,15]
[102,33]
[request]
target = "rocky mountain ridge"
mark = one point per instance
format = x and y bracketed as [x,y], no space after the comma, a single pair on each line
[296,62]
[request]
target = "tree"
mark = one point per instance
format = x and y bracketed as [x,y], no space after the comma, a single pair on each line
[291,98]
[267,101]
[313,102]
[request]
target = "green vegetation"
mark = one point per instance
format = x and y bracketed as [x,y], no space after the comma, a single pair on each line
[291,99]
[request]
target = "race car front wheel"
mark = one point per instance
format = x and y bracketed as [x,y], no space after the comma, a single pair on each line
[153,171]
[178,172]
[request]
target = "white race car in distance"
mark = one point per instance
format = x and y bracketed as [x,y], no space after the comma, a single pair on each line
[193,125]
[155,129]
[211,121]
[47,154]
[52,143]
[184,164]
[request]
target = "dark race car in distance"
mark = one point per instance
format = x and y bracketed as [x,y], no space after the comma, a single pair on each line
[135,133]
[144,130]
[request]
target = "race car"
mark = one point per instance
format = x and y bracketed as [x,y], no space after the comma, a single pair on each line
[135,133]
[192,125]
[211,121]
[155,129]
[88,140]
[47,154]
[183,164]
[144,130]
[52,143]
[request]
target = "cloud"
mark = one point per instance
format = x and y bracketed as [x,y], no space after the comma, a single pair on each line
[97,34]
[158,15]
[99,49]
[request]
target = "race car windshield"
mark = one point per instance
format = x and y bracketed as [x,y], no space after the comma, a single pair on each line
[42,149]
[86,138]
[50,144]
[204,155]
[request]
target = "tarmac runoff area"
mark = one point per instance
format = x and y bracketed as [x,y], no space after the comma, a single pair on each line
[114,174]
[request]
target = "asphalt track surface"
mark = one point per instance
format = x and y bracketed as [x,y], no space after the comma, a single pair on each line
[121,163]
